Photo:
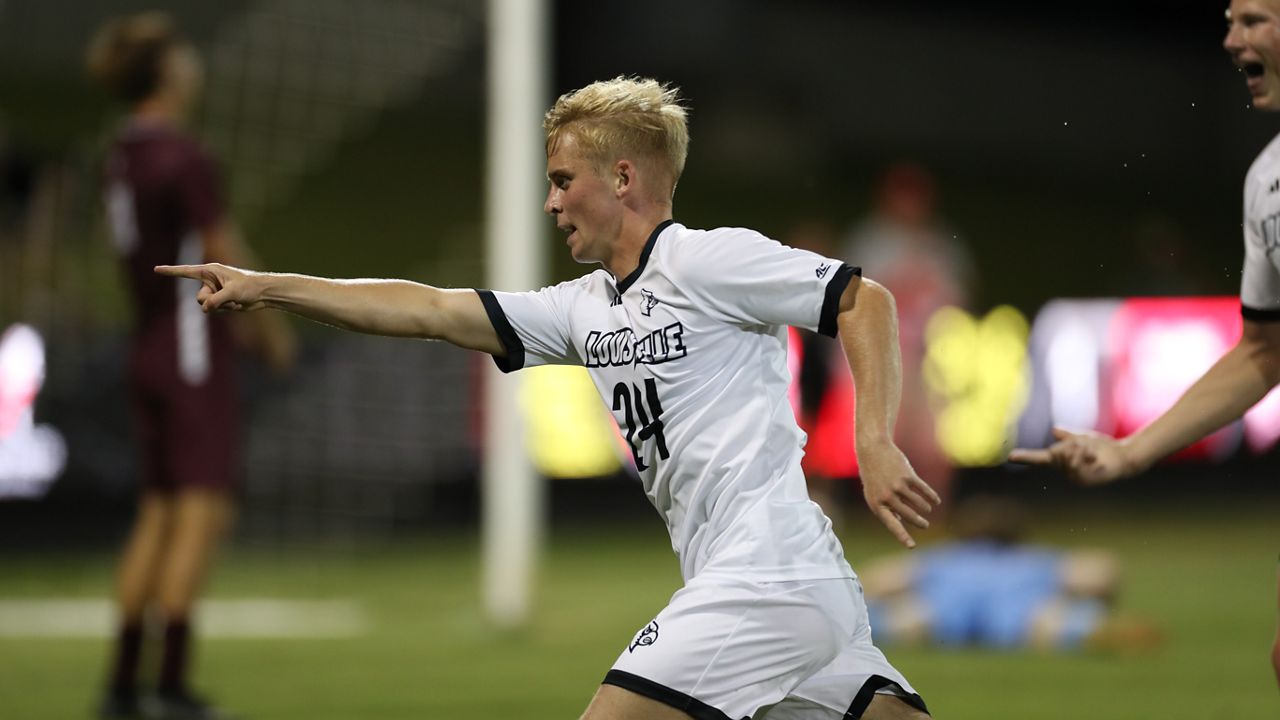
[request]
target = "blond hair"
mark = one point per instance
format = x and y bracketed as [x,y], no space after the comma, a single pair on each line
[611,119]
[126,55]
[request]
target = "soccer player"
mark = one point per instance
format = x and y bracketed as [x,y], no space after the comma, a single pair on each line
[165,206]
[684,334]
[1249,370]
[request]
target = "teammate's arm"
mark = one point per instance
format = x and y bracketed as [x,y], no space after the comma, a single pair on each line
[1235,383]
[868,326]
[381,307]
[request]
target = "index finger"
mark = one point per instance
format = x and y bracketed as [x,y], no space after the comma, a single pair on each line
[194,272]
[895,526]
[1028,456]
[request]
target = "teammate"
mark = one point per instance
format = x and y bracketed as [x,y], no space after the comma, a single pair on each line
[683,333]
[1249,370]
[164,206]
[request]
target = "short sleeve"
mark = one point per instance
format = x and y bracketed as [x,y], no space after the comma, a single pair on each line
[199,189]
[1260,280]
[748,279]
[533,326]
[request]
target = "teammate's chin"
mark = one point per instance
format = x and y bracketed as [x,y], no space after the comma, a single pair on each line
[1264,92]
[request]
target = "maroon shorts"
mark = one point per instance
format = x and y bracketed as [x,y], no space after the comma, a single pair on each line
[187,424]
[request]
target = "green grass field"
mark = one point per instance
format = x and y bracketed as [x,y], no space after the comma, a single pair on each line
[1207,577]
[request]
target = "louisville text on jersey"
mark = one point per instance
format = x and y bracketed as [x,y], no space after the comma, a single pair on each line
[620,347]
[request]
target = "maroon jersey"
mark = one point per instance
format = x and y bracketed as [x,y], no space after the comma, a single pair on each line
[162,194]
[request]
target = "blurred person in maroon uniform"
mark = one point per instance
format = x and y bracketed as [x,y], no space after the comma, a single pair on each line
[165,205]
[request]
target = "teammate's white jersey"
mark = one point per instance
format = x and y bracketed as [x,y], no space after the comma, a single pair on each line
[1260,281]
[689,353]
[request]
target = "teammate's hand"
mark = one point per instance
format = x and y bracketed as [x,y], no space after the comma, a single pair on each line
[893,491]
[224,287]
[1089,458]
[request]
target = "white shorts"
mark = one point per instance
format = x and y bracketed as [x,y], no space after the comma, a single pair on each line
[725,649]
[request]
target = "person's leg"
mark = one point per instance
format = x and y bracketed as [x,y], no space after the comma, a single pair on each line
[201,517]
[614,703]
[135,588]
[890,707]
[1067,623]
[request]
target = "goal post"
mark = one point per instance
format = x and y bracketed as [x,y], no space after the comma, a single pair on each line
[512,498]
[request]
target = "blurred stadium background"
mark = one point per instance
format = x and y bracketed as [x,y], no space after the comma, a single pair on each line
[1066,141]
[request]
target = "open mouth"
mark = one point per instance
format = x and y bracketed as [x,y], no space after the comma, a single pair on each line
[1253,69]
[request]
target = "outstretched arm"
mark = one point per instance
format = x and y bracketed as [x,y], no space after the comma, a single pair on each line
[1233,385]
[267,333]
[381,307]
[868,323]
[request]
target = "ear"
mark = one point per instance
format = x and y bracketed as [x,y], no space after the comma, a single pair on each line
[624,177]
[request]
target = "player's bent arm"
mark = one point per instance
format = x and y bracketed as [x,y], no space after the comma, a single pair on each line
[398,308]
[1234,384]
[868,328]
[868,325]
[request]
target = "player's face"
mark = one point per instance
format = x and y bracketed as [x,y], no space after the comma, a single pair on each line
[1253,41]
[583,203]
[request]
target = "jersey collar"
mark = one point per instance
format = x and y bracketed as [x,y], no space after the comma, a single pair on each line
[630,279]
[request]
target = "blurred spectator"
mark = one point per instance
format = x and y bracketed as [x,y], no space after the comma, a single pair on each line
[989,588]
[29,196]
[165,206]
[906,248]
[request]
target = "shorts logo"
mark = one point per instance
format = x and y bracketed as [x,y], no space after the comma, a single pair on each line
[821,272]
[647,636]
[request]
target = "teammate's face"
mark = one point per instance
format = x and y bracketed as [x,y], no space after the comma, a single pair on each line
[1253,41]
[583,203]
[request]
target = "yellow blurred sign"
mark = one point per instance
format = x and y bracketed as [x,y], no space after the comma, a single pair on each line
[568,431]
[977,370]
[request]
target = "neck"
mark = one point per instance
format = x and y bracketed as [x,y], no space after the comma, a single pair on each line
[635,231]
[158,109]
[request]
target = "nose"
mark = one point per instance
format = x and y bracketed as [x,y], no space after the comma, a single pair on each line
[1232,42]
[552,204]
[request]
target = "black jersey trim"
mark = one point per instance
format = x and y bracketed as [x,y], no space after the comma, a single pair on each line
[665,695]
[868,692]
[506,334]
[831,299]
[630,279]
[1259,315]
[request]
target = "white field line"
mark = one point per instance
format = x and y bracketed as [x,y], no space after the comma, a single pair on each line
[243,618]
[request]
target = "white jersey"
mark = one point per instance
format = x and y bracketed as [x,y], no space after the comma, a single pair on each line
[689,352]
[1260,280]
